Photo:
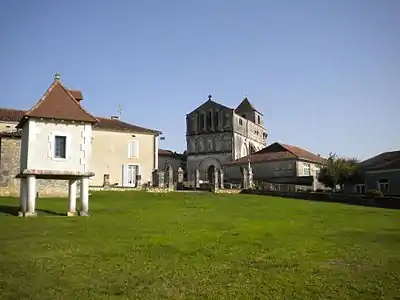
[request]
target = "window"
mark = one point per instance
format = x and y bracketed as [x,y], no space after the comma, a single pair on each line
[383,185]
[306,169]
[216,119]
[133,149]
[60,146]
[202,124]
[240,122]
[258,119]
[360,188]
[209,119]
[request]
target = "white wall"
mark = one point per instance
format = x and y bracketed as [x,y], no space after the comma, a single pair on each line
[38,136]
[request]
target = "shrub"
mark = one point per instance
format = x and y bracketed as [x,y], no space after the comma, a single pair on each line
[375,193]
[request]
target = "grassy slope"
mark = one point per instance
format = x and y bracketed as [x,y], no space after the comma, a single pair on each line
[201,246]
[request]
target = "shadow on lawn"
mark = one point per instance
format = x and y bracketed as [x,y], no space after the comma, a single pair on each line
[13,210]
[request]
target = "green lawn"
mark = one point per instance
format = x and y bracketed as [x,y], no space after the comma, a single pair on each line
[200,246]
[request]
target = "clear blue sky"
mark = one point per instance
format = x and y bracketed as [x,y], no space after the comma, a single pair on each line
[326,74]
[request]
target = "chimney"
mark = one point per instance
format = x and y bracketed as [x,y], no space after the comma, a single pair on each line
[114,117]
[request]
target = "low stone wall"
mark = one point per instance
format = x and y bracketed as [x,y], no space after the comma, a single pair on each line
[227,191]
[127,189]
[364,200]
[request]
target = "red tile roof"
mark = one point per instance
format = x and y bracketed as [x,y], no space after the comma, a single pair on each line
[14,115]
[58,103]
[278,151]
[164,152]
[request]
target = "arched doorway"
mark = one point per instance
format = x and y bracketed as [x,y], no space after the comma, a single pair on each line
[211,173]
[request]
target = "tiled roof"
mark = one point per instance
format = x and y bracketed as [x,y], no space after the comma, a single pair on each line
[58,103]
[384,161]
[117,125]
[278,151]
[14,115]
[164,152]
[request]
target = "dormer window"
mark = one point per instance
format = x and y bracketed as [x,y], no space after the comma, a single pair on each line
[60,146]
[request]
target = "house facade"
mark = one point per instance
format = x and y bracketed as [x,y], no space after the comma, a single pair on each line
[216,135]
[121,152]
[285,167]
[381,172]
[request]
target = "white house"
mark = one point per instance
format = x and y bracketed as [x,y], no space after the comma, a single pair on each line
[56,143]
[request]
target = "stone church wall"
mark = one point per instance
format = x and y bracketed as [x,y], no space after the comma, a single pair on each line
[9,167]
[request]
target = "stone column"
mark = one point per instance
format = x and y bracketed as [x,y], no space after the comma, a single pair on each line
[196,179]
[31,203]
[180,178]
[245,179]
[23,197]
[72,198]
[221,179]
[169,177]
[215,185]
[84,197]
[250,178]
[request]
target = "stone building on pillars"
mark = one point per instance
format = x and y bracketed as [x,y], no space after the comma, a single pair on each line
[217,135]
[56,143]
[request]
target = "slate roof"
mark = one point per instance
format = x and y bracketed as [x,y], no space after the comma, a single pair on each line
[279,151]
[383,161]
[164,152]
[58,103]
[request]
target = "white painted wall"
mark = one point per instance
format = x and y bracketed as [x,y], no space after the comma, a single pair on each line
[38,137]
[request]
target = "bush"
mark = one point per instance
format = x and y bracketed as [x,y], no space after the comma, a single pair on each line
[319,190]
[375,193]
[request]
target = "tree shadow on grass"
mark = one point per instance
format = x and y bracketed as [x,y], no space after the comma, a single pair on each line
[13,211]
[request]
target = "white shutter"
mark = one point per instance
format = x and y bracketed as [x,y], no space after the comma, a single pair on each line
[133,149]
[50,146]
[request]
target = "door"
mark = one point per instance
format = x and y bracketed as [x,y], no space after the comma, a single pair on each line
[129,175]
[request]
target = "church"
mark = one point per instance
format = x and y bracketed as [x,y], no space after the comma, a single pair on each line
[217,135]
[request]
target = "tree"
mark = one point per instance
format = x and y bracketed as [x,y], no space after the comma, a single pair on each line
[338,171]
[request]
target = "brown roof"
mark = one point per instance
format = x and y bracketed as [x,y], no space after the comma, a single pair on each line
[117,125]
[76,94]
[164,152]
[14,115]
[383,161]
[278,151]
[58,103]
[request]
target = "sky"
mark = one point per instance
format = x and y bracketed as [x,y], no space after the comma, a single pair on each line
[325,74]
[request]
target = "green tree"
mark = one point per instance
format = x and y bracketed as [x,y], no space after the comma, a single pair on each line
[338,171]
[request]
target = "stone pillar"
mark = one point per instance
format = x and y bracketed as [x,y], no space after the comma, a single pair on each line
[158,179]
[250,177]
[84,197]
[169,177]
[196,179]
[138,181]
[72,198]
[245,179]
[215,185]
[106,180]
[23,197]
[180,178]
[31,196]
[221,179]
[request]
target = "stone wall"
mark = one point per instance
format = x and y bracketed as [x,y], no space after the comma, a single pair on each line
[9,168]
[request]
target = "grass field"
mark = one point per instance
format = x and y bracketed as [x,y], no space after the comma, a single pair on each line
[200,246]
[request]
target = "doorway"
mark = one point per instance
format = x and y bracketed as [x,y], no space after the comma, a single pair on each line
[129,175]
[211,173]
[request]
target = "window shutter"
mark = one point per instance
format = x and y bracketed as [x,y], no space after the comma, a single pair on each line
[133,149]
[50,146]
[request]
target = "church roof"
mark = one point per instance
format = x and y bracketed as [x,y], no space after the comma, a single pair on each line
[246,105]
[58,103]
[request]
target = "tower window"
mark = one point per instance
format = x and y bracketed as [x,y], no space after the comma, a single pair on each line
[258,119]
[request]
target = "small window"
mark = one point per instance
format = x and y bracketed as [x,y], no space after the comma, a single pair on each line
[133,149]
[60,146]
[258,119]
[209,119]
[202,123]
[306,170]
[240,122]
[360,188]
[216,119]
